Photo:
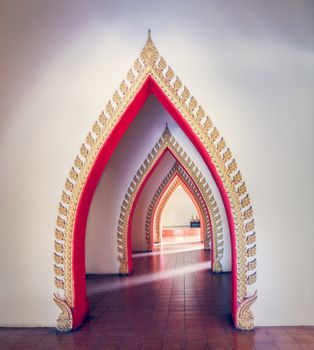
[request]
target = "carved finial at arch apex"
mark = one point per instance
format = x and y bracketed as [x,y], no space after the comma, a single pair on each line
[149,53]
[166,133]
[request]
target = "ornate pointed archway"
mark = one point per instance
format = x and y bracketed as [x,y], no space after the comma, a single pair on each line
[176,176]
[149,74]
[167,142]
[159,212]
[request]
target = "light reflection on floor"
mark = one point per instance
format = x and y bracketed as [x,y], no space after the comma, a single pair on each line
[170,248]
[171,290]
[158,269]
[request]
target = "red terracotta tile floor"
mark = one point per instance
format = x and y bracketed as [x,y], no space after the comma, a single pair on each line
[170,302]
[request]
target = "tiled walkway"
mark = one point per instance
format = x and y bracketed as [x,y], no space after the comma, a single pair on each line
[171,301]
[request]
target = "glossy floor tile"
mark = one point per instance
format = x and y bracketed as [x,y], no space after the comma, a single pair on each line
[171,301]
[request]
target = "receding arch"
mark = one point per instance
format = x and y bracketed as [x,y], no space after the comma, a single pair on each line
[158,214]
[150,74]
[177,170]
[166,142]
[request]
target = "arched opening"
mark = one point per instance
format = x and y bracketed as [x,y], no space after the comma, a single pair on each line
[201,196]
[149,77]
[194,179]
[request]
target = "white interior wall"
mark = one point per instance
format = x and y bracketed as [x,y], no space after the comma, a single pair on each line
[178,210]
[248,62]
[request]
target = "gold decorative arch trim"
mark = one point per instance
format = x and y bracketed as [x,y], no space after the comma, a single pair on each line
[199,194]
[167,141]
[152,64]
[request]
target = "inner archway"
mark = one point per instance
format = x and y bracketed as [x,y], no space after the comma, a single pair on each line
[201,196]
[177,216]
[150,74]
[194,179]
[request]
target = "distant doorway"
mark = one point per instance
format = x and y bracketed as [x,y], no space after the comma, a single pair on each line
[180,219]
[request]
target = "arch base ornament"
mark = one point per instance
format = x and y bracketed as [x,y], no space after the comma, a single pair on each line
[245,315]
[65,319]
[217,268]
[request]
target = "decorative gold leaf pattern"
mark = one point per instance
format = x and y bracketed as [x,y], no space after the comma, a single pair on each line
[248,214]
[58,271]
[102,120]
[58,259]
[69,185]
[109,109]
[162,64]
[177,84]
[60,222]
[58,247]
[84,150]
[245,202]
[200,114]
[123,87]
[185,94]
[90,140]
[73,174]
[251,239]
[65,198]
[169,74]
[59,235]
[251,279]
[251,251]
[59,283]
[62,210]
[78,163]
[251,265]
